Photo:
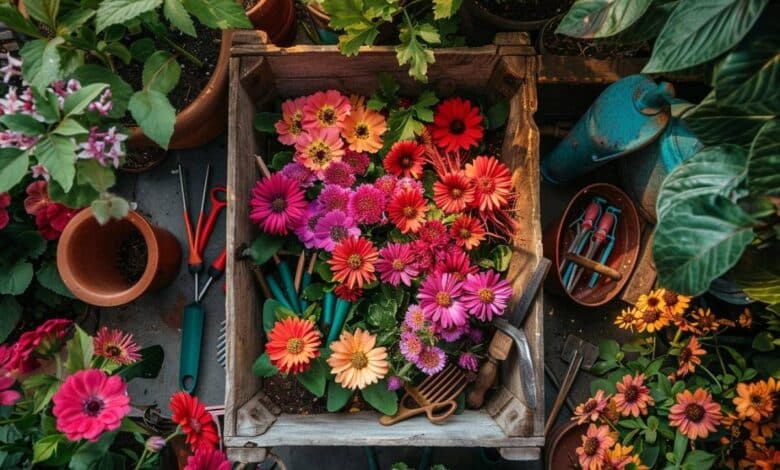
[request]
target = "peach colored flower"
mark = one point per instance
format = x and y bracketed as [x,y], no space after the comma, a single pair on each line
[633,396]
[696,414]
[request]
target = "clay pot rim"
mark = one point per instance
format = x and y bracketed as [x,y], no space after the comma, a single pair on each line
[132,292]
[555,439]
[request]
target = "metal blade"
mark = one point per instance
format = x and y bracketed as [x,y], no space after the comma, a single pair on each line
[527,377]
[520,310]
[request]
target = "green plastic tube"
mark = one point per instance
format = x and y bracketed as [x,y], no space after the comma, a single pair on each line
[289,285]
[276,290]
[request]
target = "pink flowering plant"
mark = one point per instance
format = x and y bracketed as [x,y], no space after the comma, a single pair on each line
[402,219]
[57,413]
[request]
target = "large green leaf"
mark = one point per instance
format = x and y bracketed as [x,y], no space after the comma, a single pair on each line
[41,62]
[764,162]
[161,72]
[445,8]
[80,351]
[49,277]
[148,367]
[13,18]
[109,206]
[698,240]
[111,12]
[315,378]
[155,114]
[13,167]
[78,101]
[58,155]
[338,396]
[120,89]
[648,26]
[222,14]
[11,313]
[713,170]
[15,279]
[44,11]
[175,12]
[263,367]
[699,31]
[758,273]
[80,195]
[413,52]
[382,399]
[44,448]
[91,452]
[715,125]
[601,18]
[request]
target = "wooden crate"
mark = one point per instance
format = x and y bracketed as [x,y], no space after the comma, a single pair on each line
[260,73]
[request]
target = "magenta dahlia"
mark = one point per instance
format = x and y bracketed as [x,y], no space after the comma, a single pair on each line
[485,294]
[396,264]
[277,205]
[439,298]
[367,204]
[334,197]
[304,229]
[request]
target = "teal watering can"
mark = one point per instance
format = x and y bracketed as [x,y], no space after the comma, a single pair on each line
[627,116]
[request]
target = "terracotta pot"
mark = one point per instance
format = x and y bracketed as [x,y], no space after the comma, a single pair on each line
[276,18]
[87,257]
[560,449]
[558,237]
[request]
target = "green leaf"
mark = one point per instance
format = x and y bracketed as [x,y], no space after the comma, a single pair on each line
[154,113]
[346,14]
[13,167]
[13,18]
[41,62]
[14,280]
[222,14]
[758,274]
[380,398]
[109,207]
[759,93]
[314,292]
[73,20]
[78,101]
[58,155]
[70,127]
[680,444]
[91,452]
[175,12]
[148,367]
[608,349]
[80,351]
[128,425]
[763,341]
[715,125]
[713,170]
[764,162]
[49,277]
[96,175]
[161,72]
[601,18]
[501,256]
[22,123]
[428,33]
[12,312]
[699,459]
[266,122]
[281,159]
[698,240]
[44,11]
[121,91]
[412,52]
[264,247]
[497,114]
[648,26]
[44,448]
[697,32]
[351,41]
[315,378]
[263,367]
[270,306]
[445,8]
[111,12]
[142,48]
[338,397]
[80,195]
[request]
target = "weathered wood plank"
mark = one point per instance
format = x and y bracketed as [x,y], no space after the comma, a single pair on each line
[554,69]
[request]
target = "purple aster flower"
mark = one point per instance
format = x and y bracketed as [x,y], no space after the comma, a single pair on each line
[105,147]
[12,68]
[367,204]
[339,173]
[414,318]
[396,264]
[386,184]
[305,227]
[295,171]
[332,228]
[431,360]
[439,298]
[411,346]
[103,104]
[486,294]
[334,197]
[468,361]
[357,161]
[394,383]
[451,333]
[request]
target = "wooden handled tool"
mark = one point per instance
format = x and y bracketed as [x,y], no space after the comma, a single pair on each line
[435,396]
[595,266]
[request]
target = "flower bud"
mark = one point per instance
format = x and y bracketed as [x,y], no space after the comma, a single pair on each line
[155,444]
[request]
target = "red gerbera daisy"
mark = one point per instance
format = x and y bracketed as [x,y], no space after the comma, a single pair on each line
[407,210]
[457,125]
[467,232]
[347,293]
[197,423]
[492,181]
[353,262]
[453,192]
[405,158]
[292,345]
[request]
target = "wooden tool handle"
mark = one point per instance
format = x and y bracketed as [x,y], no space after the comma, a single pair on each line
[439,412]
[602,269]
[402,413]
[568,381]
[499,349]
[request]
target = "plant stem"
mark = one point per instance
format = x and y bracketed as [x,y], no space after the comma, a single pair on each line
[405,369]
[677,337]
[141,460]
[712,376]
[198,63]
[720,358]
[58,361]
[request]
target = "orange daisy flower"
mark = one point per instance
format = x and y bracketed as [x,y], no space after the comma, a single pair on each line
[467,232]
[405,158]
[453,192]
[618,457]
[492,182]
[696,414]
[355,360]
[653,300]
[650,320]
[353,262]
[633,396]
[363,130]
[704,321]
[771,461]
[674,303]
[595,443]
[592,409]
[292,344]
[689,357]
[407,210]
[627,318]
[754,401]
[746,318]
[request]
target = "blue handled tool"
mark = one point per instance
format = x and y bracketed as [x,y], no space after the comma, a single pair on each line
[610,245]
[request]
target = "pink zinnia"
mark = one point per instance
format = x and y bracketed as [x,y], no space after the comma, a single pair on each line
[8,396]
[456,262]
[304,176]
[334,197]
[90,403]
[339,173]
[468,361]
[414,318]
[396,264]
[486,294]
[290,127]
[367,204]
[325,110]
[439,298]
[386,184]
[208,459]
[334,227]
[431,360]
[317,149]
[358,161]
[304,229]
[410,345]
[277,205]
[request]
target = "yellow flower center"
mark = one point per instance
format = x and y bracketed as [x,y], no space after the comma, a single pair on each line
[294,345]
[486,295]
[359,360]
[295,123]
[319,152]
[354,261]
[398,265]
[443,299]
[410,212]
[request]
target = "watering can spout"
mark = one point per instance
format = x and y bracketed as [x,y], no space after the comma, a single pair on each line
[655,100]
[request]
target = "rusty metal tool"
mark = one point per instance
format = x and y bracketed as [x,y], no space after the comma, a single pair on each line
[581,355]
[435,396]
[508,332]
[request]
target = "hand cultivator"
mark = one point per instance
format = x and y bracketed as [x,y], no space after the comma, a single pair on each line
[606,223]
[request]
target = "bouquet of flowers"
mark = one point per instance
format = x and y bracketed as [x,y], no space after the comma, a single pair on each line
[689,397]
[405,222]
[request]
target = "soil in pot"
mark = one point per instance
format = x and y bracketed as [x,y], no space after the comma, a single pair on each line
[291,397]
[560,44]
[132,257]
[142,159]
[521,10]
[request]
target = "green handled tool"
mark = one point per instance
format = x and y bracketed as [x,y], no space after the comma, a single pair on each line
[189,359]
[342,307]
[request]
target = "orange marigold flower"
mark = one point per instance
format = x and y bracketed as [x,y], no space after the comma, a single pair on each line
[633,396]
[689,357]
[355,360]
[363,130]
[292,344]
[754,401]
[696,414]
[746,318]
[353,262]
[595,443]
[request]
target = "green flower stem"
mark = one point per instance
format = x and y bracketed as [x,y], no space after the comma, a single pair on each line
[676,339]
[712,376]
[404,370]
[58,361]
[146,452]
[197,62]
[720,358]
